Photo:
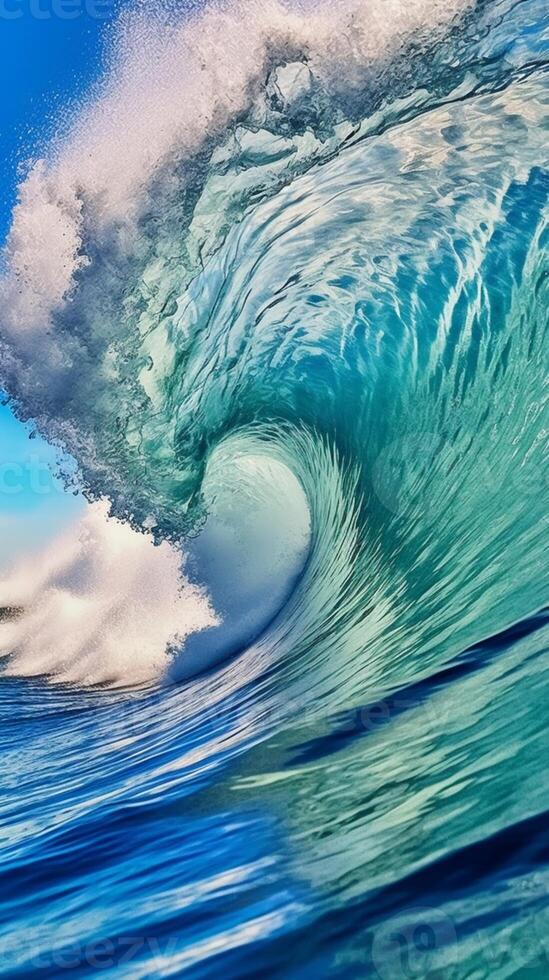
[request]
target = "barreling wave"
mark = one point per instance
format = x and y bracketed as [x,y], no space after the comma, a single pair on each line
[320,232]
[280,287]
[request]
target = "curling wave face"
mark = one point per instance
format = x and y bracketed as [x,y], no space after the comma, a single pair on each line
[277,246]
[313,303]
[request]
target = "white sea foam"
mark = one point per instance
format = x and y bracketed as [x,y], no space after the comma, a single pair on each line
[102,604]
[171,82]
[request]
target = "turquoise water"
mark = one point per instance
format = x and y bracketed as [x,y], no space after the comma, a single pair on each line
[296,329]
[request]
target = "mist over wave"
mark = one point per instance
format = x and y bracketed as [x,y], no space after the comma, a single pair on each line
[101,605]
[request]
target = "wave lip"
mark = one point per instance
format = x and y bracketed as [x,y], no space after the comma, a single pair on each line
[89,296]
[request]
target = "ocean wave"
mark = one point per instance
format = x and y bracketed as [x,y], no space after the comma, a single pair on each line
[352,266]
[280,288]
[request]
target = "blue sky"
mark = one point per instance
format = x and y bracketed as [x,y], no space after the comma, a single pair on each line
[50,51]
